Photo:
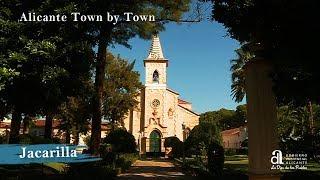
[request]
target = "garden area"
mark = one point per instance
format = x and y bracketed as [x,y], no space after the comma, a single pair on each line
[236,167]
[202,154]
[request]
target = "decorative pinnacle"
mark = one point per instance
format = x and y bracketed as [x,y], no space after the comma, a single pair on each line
[155,51]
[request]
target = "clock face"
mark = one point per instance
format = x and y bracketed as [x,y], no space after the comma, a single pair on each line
[155,103]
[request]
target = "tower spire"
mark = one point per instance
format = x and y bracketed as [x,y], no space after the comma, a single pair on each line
[155,51]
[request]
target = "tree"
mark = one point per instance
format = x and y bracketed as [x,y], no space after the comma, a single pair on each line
[276,32]
[121,141]
[75,114]
[200,137]
[122,87]
[241,115]
[294,129]
[237,69]
[222,118]
[41,62]
[226,119]
[215,159]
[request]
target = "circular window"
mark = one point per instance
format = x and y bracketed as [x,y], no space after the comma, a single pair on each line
[155,103]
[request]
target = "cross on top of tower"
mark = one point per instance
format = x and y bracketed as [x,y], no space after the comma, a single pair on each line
[155,51]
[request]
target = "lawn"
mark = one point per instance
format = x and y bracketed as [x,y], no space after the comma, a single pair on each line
[239,164]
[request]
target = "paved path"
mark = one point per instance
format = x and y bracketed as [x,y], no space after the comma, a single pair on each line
[153,169]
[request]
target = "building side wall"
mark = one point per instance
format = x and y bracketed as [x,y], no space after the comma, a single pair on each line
[189,119]
[233,141]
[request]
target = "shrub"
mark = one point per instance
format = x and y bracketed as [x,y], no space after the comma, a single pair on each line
[176,145]
[121,141]
[4,138]
[200,138]
[230,152]
[132,157]
[95,170]
[242,151]
[123,164]
[215,159]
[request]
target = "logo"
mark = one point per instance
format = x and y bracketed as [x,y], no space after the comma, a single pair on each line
[276,157]
[288,162]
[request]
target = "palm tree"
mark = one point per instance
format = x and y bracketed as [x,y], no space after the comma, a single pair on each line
[237,69]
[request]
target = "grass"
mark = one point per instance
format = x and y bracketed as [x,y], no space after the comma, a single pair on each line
[236,163]
[313,166]
[239,164]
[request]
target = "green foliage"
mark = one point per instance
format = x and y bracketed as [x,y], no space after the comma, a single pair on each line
[226,119]
[121,141]
[130,157]
[87,140]
[176,146]
[295,129]
[237,69]
[200,138]
[3,138]
[282,32]
[230,152]
[122,87]
[244,144]
[75,114]
[215,159]
[124,161]
[41,64]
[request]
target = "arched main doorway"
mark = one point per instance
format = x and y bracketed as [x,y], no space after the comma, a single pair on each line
[155,142]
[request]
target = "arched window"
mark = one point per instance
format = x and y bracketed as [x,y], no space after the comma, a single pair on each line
[186,133]
[155,77]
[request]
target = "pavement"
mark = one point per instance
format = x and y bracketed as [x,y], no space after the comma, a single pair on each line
[153,169]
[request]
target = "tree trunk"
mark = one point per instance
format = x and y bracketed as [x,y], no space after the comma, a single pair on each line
[97,100]
[76,138]
[15,127]
[48,126]
[67,137]
[26,122]
[311,117]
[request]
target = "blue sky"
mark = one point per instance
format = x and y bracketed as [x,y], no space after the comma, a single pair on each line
[199,61]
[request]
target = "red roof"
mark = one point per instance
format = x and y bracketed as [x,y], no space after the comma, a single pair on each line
[189,110]
[233,131]
[40,123]
[4,125]
[230,131]
[180,101]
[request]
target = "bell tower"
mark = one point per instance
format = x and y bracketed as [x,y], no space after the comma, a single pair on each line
[156,66]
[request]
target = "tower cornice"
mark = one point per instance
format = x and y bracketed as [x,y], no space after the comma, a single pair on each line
[155,61]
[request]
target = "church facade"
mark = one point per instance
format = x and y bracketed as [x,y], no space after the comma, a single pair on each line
[160,112]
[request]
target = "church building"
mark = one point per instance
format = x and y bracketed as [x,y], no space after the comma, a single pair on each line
[160,112]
